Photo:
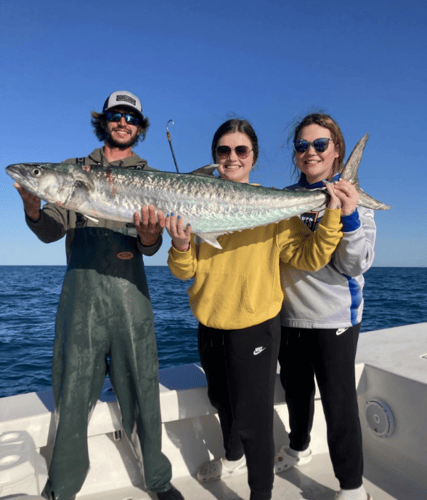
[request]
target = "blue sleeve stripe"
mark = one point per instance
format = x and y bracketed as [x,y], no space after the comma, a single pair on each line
[356,298]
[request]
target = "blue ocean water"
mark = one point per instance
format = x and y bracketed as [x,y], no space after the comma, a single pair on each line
[29,298]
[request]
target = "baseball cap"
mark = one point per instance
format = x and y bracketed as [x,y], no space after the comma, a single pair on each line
[122,98]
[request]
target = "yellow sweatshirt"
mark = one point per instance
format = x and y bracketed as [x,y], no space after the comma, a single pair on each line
[239,286]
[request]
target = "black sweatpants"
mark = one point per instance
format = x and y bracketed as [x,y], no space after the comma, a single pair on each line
[240,367]
[330,356]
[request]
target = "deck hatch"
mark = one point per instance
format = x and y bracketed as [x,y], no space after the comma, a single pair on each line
[379,418]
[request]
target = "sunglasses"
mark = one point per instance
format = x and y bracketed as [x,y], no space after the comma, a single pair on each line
[117,116]
[319,145]
[224,152]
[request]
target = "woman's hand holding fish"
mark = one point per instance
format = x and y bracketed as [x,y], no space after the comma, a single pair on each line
[348,196]
[334,202]
[149,225]
[180,235]
[32,203]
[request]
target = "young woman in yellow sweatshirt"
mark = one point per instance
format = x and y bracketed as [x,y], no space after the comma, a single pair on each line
[237,297]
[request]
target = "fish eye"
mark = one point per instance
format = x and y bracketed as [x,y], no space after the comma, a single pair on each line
[36,172]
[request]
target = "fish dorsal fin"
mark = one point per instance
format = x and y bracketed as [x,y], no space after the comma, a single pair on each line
[206,171]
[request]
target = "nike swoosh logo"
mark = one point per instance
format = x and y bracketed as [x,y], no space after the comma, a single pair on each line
[258,350]
[341,330]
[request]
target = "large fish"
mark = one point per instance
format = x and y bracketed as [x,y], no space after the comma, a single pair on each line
[212,206]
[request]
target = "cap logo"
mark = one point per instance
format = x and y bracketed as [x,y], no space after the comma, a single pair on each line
[126,98]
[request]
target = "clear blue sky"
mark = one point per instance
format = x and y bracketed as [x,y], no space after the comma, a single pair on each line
[200,63]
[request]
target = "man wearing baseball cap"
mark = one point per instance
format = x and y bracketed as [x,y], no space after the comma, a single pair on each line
[105,322]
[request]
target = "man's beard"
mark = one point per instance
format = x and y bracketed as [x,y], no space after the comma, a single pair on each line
[120,145]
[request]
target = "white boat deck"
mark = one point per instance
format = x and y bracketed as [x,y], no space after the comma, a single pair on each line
[391,368]
[314,481]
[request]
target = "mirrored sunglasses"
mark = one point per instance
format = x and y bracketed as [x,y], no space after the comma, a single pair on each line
[224,152]
[116,116]
[320,145]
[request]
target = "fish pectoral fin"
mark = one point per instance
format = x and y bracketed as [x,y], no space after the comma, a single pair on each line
[82,180]
[210,238]
[92,219]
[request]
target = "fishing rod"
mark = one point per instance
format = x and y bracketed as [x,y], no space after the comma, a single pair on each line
[170,143]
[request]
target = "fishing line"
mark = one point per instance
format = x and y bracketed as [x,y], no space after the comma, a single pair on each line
[170,143]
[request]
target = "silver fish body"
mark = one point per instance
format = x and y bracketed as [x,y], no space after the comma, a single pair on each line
[212,206]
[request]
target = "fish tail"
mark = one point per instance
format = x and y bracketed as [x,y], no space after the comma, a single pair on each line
[350,173]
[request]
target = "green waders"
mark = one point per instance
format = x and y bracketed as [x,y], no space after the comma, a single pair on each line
[104,311]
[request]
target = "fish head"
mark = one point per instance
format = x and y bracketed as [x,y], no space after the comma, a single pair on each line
[50,182]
